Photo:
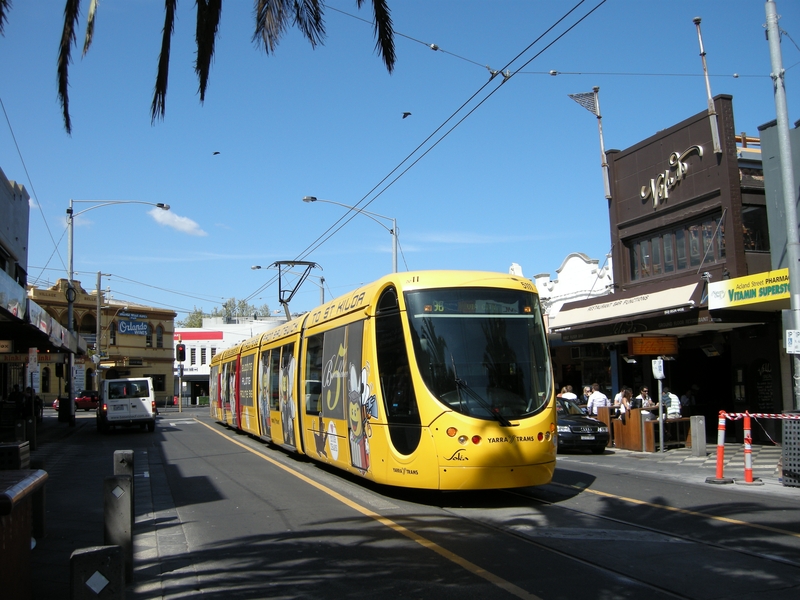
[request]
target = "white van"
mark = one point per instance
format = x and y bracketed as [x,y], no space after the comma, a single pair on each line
[126,402]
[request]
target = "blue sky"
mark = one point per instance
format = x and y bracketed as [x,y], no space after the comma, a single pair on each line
[518,180]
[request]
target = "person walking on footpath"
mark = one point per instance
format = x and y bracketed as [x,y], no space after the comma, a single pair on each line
[596,400]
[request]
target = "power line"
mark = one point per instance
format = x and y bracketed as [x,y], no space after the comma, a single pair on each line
[345,219]
[30,183]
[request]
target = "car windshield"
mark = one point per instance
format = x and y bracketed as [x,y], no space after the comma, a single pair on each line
[568,407]
[482,351]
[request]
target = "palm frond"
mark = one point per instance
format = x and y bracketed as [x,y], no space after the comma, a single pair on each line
[208,16]
[308,18]
[71,13]
[384,32]
[271,20]
[159,106]
[90,26]
[5,6]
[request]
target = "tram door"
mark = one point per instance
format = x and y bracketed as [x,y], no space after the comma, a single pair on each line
[282,395]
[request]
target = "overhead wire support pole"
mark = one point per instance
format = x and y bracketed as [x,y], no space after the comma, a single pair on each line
[712,111]
[787,179]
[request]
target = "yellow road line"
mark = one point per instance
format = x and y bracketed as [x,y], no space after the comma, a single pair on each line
[422,541]
[683,511]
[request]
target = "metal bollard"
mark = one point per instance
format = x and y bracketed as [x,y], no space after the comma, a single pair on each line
[123,465]
[96,572]
[697,426]
[118,518]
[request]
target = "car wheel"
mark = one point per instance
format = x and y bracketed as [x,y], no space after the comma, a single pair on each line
[600,450]
[151,427]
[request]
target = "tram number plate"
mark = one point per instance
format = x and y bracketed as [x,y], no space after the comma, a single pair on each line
[587,437]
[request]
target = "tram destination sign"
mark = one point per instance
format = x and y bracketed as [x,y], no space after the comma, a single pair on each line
[653,346]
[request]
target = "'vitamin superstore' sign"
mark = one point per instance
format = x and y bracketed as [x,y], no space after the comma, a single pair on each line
[770,289]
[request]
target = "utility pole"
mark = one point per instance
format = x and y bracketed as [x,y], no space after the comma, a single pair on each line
[787,179]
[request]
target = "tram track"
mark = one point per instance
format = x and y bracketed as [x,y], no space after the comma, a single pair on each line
[694,540]
[528,524]
[624,574]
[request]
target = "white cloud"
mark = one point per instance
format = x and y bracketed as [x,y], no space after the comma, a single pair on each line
[170,219]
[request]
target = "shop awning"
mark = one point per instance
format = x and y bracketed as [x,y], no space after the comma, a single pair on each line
[616,308]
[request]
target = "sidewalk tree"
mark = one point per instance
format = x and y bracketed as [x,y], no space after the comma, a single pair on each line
[272,18]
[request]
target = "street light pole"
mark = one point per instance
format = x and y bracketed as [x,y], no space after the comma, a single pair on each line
[69,414]
[372,216]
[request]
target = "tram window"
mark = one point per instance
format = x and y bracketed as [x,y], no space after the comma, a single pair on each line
[399,398]
[275,380]
[313,375]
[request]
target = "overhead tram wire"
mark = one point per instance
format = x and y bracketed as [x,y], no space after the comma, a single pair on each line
[33,189]
[437,48]
[155,287]
[345,219]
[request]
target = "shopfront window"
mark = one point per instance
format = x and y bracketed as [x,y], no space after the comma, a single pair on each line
[689,246]
[755,233]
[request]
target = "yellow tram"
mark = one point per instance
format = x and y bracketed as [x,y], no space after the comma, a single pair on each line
[429,379]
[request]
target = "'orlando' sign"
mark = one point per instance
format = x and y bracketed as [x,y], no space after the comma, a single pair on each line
[132,327]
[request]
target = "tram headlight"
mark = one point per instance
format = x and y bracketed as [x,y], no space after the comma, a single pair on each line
[462,439]
[451,431]
[476,439]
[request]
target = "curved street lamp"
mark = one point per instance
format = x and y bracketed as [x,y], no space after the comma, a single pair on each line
[372,216]
[71,214]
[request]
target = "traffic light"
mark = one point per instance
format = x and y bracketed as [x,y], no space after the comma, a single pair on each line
[180,352]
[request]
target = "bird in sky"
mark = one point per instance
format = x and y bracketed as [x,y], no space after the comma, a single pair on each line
[215,153]
[406,114]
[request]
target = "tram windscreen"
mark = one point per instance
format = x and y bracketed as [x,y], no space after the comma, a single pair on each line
[482,351]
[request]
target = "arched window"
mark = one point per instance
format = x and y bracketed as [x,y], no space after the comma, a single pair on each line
[159,337]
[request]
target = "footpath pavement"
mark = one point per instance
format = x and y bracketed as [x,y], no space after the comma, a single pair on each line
[77,460]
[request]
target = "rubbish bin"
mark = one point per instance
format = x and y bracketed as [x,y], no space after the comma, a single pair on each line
[790,457]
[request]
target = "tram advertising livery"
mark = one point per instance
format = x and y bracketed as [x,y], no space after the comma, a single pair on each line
[430,379]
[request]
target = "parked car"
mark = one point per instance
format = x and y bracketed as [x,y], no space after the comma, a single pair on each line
[577,430]
[86,400]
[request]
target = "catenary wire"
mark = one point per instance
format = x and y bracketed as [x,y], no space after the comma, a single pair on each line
[333,229]
[345,219]
[30,182]
[437,48]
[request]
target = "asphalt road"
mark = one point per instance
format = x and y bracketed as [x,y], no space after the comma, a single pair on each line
[250,521]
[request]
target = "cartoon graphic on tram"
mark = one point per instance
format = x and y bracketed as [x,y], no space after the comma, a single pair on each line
[320,438]
[263,393]
[288,411]
[361,406]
